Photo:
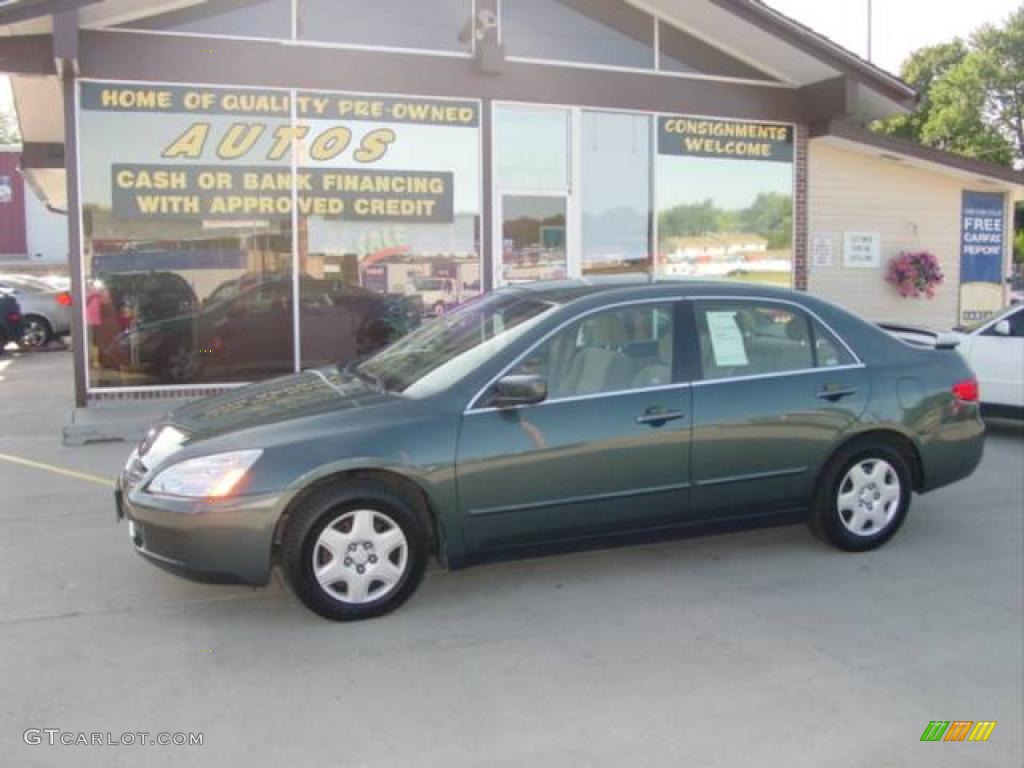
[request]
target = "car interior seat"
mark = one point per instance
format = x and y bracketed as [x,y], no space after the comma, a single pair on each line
[599,365]
[659,371]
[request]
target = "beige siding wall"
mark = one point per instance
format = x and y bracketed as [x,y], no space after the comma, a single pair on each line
[913,209]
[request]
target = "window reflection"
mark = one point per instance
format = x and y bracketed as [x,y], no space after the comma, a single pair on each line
[533,238]
[369,279]
[725,201]
[216,225]
[176,295]
[616,166]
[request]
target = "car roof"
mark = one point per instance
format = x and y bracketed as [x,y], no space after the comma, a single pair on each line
[565,291]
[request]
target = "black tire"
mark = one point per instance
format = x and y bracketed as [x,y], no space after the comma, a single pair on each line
[179,364]
[323,508]
[36,332]
[834,526]
[4,341]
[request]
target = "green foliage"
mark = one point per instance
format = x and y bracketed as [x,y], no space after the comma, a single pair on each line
[1000,54]
[972,95]
[1018,248]
[770,215]
[924,67]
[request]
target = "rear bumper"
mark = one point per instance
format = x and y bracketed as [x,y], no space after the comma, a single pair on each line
[954,451]
[222,542]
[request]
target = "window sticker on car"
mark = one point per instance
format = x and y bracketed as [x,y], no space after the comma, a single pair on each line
[726,339]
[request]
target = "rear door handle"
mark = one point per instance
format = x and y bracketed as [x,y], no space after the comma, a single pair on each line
[658,416]
[835,393]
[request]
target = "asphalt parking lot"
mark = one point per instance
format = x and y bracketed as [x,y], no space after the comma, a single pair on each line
[756,648]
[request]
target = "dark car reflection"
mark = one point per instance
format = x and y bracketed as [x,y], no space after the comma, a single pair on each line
[244,331]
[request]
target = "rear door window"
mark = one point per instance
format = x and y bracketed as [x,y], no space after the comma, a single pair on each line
[741,338]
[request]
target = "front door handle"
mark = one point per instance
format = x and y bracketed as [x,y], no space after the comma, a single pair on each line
[835,393]
[658,416]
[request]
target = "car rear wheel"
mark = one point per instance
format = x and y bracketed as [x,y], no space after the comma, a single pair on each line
[354,551]
[35,332]
[179,364]
[863,497]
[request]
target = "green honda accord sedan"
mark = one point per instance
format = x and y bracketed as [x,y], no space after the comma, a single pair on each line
[548,417]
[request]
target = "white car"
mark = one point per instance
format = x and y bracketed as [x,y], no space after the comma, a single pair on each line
[995,351]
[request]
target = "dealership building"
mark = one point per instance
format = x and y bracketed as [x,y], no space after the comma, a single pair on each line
[254,187]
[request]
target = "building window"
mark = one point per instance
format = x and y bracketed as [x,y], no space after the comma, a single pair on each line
[436,25]
[372,275]
[226,242]
[532,175]
[231,18]
[616,206]
[601,32]
[725,199]
[531,147]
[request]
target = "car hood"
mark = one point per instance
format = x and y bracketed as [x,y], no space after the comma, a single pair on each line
[310,393]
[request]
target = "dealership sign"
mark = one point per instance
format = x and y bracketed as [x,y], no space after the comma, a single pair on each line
[278,155]
[732,139]
[982,245]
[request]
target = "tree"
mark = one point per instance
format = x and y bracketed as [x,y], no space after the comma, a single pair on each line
[972,95]
[1000,54]
[921,70]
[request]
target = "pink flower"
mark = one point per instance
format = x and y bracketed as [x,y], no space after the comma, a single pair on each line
[914,274]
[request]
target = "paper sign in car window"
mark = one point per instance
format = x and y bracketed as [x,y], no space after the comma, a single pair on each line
[726,339]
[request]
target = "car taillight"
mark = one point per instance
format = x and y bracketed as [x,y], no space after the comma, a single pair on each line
[966,391]
[14,317]
[64,299]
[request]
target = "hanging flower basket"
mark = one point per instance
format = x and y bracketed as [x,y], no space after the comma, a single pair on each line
[915,274]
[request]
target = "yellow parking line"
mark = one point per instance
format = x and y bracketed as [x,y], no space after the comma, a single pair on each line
[58,470]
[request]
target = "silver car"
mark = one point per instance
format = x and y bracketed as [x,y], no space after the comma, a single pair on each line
[46,311]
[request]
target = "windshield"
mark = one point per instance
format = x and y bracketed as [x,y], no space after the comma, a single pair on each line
[429,284]
[444,350]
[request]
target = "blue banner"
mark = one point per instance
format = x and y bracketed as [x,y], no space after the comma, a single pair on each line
[982,232]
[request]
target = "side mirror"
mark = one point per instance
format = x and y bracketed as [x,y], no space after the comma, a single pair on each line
[519,390]
[1002,328]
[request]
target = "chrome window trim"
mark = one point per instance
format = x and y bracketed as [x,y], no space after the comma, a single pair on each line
[469,409]
[797,372]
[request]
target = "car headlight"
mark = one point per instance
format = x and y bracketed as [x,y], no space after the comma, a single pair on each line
[207,477]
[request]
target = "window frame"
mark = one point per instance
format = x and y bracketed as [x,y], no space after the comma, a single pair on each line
[682,364]
[293,36]
[809,315]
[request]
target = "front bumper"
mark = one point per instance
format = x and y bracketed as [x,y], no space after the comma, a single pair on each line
[226,541]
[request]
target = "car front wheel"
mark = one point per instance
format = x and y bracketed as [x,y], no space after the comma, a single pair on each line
[863,497]
[354,551]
